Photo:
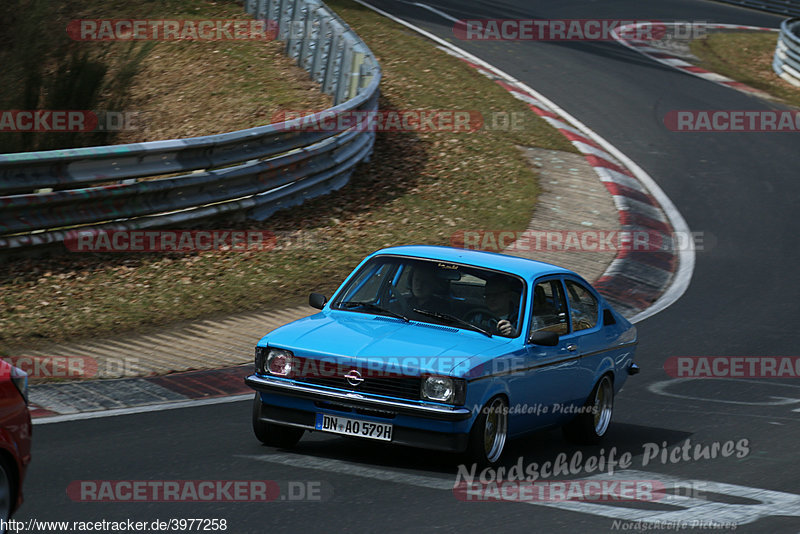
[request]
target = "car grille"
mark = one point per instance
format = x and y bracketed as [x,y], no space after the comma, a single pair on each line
[403,387]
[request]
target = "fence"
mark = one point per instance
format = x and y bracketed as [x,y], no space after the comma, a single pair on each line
[786,62]
[45,195]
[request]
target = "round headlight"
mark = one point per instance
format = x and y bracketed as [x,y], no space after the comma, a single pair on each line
[280,362]
[438,388]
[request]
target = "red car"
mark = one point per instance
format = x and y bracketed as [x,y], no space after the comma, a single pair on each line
[15,436]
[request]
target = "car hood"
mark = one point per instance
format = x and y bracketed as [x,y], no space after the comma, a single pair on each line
[364,339]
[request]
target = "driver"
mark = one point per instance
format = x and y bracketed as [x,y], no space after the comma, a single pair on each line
[502,299]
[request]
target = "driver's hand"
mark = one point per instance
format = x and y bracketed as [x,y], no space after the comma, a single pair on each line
[504,327]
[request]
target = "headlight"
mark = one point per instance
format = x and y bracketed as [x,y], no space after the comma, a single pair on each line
[443,389]
[280,362]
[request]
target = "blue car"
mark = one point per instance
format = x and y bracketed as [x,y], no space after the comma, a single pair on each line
[447,349]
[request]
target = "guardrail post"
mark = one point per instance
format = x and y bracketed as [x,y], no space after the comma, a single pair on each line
[323,41]
[329,83]
[273,12]
[283,19]
[344,75]
[310,37]
[296,25]
[261,11]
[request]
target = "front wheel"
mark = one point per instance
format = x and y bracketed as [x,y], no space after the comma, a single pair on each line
[487,439]
[589,427]
[284,437]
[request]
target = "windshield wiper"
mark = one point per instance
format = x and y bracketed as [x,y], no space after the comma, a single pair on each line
[452,319]
[373,307]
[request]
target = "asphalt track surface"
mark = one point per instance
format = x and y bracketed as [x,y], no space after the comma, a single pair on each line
[740,189]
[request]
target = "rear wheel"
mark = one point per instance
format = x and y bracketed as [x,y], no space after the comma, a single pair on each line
[591,425]
[284,437]
[487,439]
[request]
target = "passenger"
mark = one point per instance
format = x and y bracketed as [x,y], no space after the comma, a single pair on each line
[427,291]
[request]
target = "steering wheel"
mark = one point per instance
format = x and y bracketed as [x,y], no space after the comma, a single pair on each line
[482,317]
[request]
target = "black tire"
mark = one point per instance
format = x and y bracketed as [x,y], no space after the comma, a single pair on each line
[281,436]
[489,433]
[590,426]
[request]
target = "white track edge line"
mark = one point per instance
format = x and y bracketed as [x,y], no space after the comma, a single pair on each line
[139,409]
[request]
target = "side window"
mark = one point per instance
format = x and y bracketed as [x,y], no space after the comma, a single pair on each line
[367,286]
[583,306]
[549,308]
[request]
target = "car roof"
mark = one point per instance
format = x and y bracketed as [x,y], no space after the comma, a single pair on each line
[528,269]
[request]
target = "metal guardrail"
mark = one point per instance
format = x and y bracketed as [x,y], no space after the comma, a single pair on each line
[786,62]
[45,195]
[782,7]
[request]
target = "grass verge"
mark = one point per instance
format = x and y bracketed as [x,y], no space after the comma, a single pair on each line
[746,57]
[170,88]
[418,187]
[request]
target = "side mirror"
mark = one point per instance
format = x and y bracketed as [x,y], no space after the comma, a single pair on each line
[544,337]
[608,318]
[317,300]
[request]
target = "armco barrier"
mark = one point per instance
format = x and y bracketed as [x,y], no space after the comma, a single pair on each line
[786,62]
[44,195]
[782,7]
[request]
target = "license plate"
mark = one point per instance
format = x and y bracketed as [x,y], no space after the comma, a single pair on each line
[353,427]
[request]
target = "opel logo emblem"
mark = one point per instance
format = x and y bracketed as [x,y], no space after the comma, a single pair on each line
[353,378]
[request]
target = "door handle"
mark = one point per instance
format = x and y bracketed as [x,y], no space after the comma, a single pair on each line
[572,347]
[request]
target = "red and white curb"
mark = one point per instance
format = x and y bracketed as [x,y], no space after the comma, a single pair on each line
[644,47]
[69,401]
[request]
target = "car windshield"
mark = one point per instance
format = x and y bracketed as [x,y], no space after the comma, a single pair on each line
[461,296]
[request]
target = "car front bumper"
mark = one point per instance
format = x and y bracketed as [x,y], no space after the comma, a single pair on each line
[415,424]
